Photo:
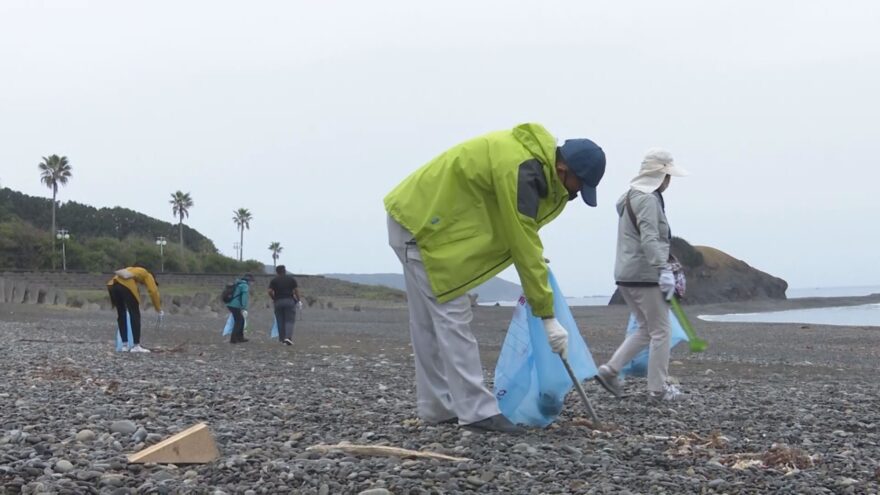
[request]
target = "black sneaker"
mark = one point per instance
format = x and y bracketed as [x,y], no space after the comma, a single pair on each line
[496,423]
[288,342]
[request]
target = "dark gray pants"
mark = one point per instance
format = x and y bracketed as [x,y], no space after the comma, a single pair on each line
[285,315]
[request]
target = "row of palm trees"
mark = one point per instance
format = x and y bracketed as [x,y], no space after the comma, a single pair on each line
[56,171]
[181,202]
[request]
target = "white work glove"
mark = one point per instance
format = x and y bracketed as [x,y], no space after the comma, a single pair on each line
[244,313]
[557,336]
[299,305]
[667,283]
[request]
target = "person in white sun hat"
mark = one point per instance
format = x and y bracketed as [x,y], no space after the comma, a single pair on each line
[643,274]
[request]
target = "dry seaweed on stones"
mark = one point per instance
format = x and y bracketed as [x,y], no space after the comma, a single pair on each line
[604,426]
[778,457]
[692,444]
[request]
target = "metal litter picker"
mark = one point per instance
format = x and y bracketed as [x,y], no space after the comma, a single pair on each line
[577,385]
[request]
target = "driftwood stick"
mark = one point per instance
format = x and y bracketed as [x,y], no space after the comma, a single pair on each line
[382,450]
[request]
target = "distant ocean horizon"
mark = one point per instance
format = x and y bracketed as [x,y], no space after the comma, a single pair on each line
[862,315]
[798,293]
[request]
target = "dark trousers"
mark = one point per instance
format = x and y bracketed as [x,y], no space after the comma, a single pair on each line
[285,316]
[237,326]
[124,301]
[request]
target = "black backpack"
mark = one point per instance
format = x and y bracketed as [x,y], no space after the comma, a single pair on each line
[228,293]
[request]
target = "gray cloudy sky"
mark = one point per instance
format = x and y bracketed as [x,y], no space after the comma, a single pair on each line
[309,112]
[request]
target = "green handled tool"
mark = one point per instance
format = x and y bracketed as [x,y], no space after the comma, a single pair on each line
[696,344]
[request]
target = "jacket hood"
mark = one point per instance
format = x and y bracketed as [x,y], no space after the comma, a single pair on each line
[538,141]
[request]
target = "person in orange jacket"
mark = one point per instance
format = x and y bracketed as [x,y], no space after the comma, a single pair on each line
[125,297]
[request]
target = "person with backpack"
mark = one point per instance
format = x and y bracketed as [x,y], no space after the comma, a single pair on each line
[284,292]
[644,275]
[126,298]
[460,220]
[236,299]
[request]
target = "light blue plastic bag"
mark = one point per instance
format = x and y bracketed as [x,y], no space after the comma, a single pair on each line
[130,336]
[230,323]
[227,330]
[274,332]
[639,365]
[530,380]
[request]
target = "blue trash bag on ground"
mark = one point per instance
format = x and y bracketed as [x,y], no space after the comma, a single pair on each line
[530,380]
[130,336]
[639,365]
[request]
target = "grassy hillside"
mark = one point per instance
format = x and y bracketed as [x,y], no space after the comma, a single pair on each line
[101,239]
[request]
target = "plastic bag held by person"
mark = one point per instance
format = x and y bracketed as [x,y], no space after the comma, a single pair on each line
[130,336]
[530,380]
[639,365]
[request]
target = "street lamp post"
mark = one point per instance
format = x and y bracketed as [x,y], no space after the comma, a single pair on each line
[63,235]
[236,246]
[161,242]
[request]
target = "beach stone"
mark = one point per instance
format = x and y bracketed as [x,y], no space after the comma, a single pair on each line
[88,475]
[112,480]
[125,427]
[375,491]
[85,436]
[63,466]
[717,482]
[140,435]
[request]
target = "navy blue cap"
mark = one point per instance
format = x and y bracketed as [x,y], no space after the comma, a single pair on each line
[587,160]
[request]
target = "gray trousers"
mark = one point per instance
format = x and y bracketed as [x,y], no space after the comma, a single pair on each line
[449,376]
[652,314]
[285,316]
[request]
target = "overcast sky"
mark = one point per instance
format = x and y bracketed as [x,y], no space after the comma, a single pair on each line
[308,113]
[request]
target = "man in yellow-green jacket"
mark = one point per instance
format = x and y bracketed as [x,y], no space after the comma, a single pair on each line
[460,220]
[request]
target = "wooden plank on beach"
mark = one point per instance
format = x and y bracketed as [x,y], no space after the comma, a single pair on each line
[194,445]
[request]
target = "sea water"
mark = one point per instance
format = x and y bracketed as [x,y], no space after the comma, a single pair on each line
[862,315]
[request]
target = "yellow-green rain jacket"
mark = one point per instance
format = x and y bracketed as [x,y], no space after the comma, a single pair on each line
[477,208]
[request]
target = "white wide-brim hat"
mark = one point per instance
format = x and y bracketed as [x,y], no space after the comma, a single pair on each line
[657,164]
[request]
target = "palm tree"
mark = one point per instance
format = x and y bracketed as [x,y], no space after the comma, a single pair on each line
[242,218]
[276,249]
[180,204]
[54,170]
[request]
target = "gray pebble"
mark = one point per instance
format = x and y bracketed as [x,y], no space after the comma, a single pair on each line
[125,427]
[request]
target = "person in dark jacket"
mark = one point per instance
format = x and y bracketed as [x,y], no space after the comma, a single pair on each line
[238,307]
[284,292]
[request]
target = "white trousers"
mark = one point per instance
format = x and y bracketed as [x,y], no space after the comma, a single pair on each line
[652,314]
[449,376]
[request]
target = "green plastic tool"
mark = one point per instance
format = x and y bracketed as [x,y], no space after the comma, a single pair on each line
[696,344]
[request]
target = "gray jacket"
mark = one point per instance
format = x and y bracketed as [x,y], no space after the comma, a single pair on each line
[641,254]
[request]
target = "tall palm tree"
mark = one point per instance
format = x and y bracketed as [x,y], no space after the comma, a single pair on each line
[54,170]
[242,218]
[276,249]
[180,204]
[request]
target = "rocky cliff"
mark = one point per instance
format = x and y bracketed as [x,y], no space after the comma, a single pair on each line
[714,276]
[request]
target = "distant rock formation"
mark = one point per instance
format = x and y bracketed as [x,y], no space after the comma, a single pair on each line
[714,276]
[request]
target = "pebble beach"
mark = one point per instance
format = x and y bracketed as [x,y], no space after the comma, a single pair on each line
[769,408]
